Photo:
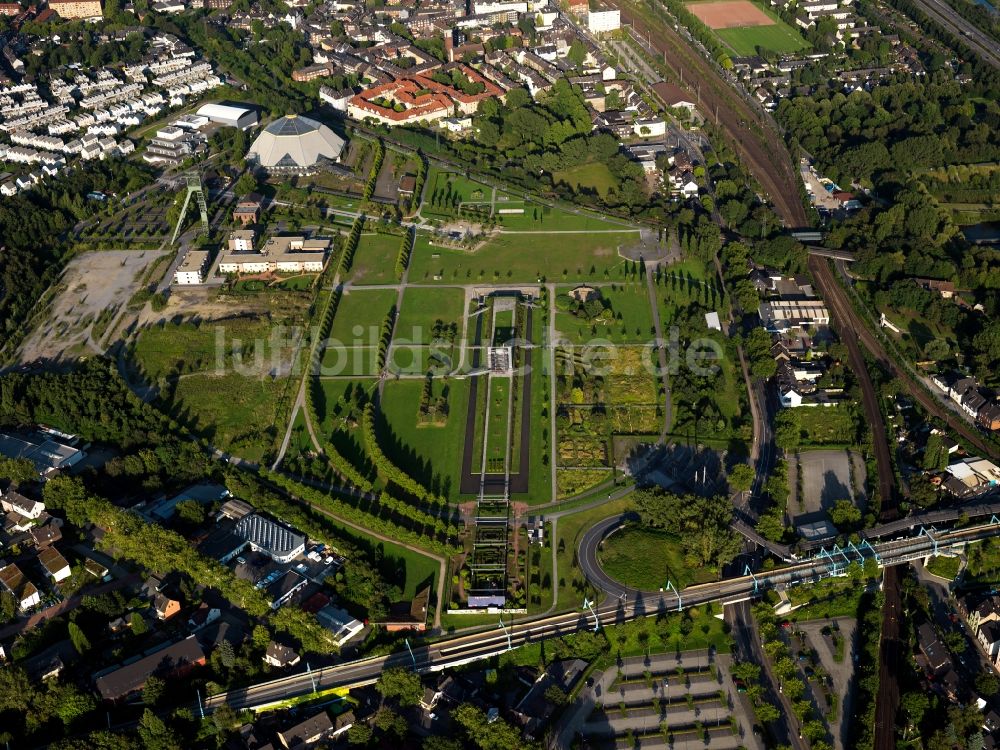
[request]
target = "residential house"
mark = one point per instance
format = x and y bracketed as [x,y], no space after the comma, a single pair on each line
[14,502]
[945,288]
[165,606]
[203,616]
[989,637]
[279,655]
[175,660]
[284,588]
[54,563]
[24,591]
[410,615]
[535,708]
[936,655]
[340,622]
[985,612]
[44,536]
[989,416]
[308,732]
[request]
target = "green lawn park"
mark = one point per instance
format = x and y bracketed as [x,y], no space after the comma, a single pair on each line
[647,559]
[430,452]
[521,258]
[360,315]
[422,307]
[594,176]
[629,299]
[375,259]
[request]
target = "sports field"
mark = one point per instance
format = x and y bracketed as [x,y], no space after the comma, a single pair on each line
[745,26]
[778,37]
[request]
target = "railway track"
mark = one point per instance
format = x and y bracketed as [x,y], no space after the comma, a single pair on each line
[772,167]
[830,289]
[843,318]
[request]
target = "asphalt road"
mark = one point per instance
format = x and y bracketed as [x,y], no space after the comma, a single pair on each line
[978,41]
[634,604]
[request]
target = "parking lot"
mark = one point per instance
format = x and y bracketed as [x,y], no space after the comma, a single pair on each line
[827,476]
[678,700]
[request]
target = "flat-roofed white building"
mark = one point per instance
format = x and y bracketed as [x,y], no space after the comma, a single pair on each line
[278,542]
[243,118]
[281,254]
[192,268]
[783,315]
[604,20]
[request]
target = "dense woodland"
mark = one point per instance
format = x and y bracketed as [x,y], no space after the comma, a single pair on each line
[903,139]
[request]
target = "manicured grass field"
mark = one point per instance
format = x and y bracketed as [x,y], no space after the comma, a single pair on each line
[422,307]
[432,453]
[297,283]
[630,300]
[331,400]
[419,359]
[496,427]
[780,37]
[647,559]
[375,259]
[234,412]
[595,176]
[537,217]
[360,316]
[522,257]
[401,564]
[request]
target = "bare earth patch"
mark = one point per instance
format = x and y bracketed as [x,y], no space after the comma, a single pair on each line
[93,285]
[727,14]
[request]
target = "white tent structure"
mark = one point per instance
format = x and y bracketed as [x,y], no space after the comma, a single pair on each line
[294,144]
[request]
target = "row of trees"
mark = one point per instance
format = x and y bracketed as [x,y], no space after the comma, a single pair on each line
[377,158]
[351,246]
[385,338]
[386,468]
[404,523]
[418,183]
[403,258]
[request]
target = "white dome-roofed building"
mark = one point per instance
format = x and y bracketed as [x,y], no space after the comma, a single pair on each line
[294,144]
